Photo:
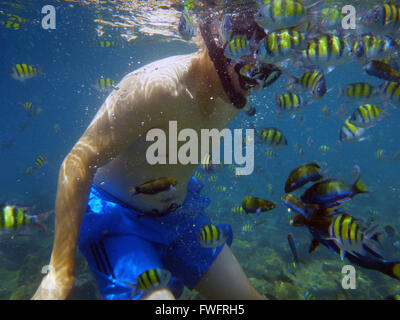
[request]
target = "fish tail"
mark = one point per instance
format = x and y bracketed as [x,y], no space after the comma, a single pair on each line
[359,186]
[371,243]
[42,217]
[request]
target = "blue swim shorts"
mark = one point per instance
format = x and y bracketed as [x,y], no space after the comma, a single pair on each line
[120,243]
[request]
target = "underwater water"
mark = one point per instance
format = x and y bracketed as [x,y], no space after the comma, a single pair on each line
[62,101]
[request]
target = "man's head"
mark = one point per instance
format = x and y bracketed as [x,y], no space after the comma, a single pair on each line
[235,84]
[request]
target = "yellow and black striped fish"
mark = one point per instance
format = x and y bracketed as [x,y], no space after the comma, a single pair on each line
[272,137]
[371,46]
[347,233]
[23,71]
[360,91]
[39,161]
[278,45]
[207,165]
[350,133]
[211,236]
[238,210]
[390,91]
[278,14]
[13,217]
[238,47]
[367,116]
[12,25]
[150,280]
[13,17]
[382,19]
[311,81]
[289,102]
[104,84]
[328,50]
[107,44]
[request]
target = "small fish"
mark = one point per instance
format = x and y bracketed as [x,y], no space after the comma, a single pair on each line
[349,236]
[382,19]
[272,137]
[333,192]
[107,44]
[326,112]
[350,133]
[371,46]
[211,236]
[367,116]
[379,154]
[279,45]
[359,92]
[289,102]
[12,25]
[382,70]
[302,175]
[32,110]
[186,26]
[150,280]
[207,165]
[104,84]
[331,19]
[390,91]
[23,71]
[13,217]
[327,50]
[324,149]
[256,205]
[212,179]
[238,47]
[221,188]
[311,81]
[237,210]
[155,186]
[292,246]
[39,161]
[249,227]
[270,154]
[56,128]
[279,14]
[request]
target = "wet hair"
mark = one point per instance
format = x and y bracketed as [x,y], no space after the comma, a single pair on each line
[243,23]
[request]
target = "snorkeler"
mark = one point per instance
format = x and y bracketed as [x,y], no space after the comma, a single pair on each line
[124,236]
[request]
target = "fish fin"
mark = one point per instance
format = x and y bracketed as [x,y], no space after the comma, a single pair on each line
[42,217]
[359,186]
[132,285]
[342,254]
[133,191]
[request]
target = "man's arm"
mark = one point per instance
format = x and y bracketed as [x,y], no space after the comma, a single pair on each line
[114,127]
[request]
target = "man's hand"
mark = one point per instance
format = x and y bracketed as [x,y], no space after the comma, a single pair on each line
[53,287]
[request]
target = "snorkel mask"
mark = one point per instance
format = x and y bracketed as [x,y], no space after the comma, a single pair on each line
[258,75]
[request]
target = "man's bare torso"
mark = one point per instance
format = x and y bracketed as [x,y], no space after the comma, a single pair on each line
[192,104]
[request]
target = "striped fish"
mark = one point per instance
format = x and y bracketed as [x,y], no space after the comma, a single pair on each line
[327,50]
[367,116]
[371,46]
[104,85]
[238,47]
[150,280]
[390,91]
[13,217]
[107,44]
[12,25]
[331,19]
[360,91]
[382,18]
[350,133]
[277,46]
[211,236]
[289,102]
[348,235]
[278,14]
[272,137]
[23,71]
[39,161]
[311,81]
